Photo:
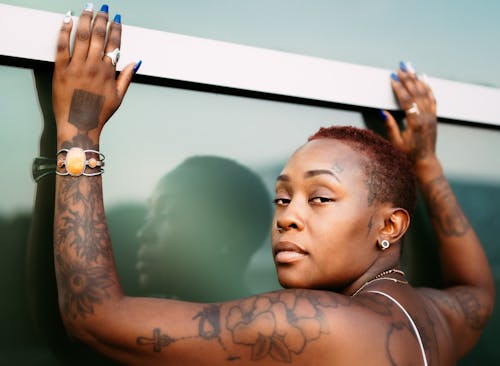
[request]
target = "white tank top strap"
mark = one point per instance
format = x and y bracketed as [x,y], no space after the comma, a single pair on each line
[410,319]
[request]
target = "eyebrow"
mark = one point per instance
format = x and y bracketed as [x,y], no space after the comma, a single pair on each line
[313,173]
[309,174]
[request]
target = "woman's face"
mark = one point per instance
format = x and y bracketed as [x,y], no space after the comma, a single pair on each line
[324,232]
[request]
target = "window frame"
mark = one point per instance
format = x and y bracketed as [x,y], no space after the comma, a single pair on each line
[177,60]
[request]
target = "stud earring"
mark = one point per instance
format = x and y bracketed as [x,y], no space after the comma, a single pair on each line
[384,244]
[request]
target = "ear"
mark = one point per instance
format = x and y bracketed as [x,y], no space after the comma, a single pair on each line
[396,222]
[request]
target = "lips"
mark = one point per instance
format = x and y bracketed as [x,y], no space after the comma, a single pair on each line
[288,252]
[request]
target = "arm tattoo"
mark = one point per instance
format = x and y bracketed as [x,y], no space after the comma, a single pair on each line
[157,341]
[209,322]
[444,209]
[276,325]
[83,287]
[471,308]
[81,239]
[85,109]
[422,145]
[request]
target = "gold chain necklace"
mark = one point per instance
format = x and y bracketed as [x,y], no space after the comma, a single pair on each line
[380,277]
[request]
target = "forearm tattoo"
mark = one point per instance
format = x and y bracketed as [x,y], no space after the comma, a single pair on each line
[422,144]
[82,244]
[444,209]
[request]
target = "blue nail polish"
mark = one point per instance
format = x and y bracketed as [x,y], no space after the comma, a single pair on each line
[402,66]
[394,77]
[104,8]
[382,115]
[137,66]
[118,19]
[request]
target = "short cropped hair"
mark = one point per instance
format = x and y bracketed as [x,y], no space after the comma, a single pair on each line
[389,173]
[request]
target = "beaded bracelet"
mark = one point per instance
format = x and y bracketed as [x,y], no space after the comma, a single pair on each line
[76,162]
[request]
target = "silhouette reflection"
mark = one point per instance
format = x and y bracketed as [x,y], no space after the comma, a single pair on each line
[206,218]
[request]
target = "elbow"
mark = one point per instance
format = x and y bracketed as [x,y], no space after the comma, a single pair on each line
[77,328]
[490,302]
[84,322]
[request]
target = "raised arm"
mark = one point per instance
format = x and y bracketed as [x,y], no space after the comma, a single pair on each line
[469,295]
[284,327]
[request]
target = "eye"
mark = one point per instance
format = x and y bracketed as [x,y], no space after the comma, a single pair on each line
[321,200]
[281,201]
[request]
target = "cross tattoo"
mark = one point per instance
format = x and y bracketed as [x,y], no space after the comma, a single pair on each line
[158,341]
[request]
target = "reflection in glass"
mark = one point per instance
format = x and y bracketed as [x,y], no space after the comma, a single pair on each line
[206,219]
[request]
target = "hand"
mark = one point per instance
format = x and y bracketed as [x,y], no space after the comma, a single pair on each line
[415,97]
[86,92]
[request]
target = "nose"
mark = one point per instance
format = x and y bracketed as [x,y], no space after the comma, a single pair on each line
[289,217]
[145,233]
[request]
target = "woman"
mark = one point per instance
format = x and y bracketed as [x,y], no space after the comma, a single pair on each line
[337,233]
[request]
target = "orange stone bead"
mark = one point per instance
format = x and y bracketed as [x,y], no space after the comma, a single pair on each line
[75,161]
[60,162]
[92,163]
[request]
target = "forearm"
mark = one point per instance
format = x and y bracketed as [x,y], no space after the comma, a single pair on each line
[83,256]
[462,257]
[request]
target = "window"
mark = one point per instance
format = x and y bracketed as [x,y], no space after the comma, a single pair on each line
[158,127]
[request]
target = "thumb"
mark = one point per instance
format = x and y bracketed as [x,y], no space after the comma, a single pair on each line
[392,128]
[125,77]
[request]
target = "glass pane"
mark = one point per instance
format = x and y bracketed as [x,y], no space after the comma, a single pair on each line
[150,139]
[151,203]
[176,233]
[21,123]
[373,33]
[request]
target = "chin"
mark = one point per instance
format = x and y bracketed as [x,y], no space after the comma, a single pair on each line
[289,279]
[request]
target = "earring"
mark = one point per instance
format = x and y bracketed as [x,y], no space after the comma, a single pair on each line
[384,244]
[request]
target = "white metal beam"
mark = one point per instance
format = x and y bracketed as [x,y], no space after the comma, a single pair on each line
[31,34]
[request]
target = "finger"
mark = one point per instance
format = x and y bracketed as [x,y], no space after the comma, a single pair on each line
[114,37]
[407,79]
[403,96]
[392,129]
[63,54]
[125,77]
[424,80]
[98,34]
[82,39]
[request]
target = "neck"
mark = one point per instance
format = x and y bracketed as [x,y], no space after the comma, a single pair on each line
[372,274]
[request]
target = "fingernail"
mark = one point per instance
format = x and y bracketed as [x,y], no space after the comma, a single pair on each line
[424,78]
[88,7]
[137,66]
[382,114]
[67,17]
[409,67]
[118,19]
[402,66]
[394,77]
[104,8]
